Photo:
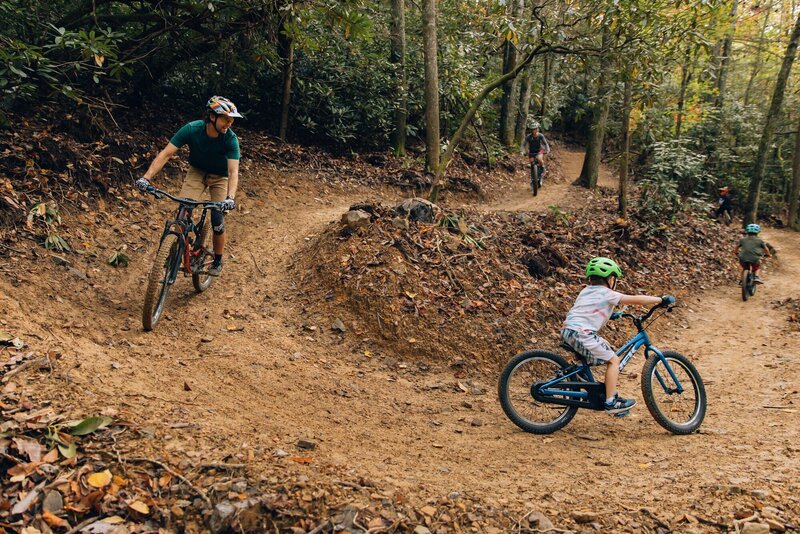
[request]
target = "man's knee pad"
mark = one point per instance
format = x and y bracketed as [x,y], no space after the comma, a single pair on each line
[218,222]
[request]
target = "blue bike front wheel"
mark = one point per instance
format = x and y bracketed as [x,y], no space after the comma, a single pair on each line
[676,399]
[514,390]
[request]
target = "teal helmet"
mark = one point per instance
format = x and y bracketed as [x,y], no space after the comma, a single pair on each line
[602,267]
[752,229]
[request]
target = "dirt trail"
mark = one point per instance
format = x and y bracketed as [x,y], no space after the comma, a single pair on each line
[278,380]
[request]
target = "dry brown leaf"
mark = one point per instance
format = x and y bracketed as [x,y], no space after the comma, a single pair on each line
[301,459]
[30,447]
[140,507]
[100,479]
[53,520]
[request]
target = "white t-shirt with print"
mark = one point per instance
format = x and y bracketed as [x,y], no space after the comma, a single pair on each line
[592,308]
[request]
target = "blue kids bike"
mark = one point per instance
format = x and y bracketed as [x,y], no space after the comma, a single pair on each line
[540,392]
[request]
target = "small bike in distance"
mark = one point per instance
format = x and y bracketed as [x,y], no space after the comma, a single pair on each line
[540,392]
[537,170]
[748,283]
[184,247]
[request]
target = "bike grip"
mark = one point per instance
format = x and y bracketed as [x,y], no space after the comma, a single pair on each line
[668,300]
[616,315]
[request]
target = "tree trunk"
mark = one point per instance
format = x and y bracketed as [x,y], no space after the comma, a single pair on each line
[509,100]
[526,85]
[760,169]
[757,60]
[286,46]
[398,58]
[438,181]
[725,60]
[687,69]
[794,196]
[431,85]
[622,197]
[546,78]
[597,130]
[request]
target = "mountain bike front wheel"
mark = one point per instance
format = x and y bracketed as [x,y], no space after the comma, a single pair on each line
[162,276]
[201,279]
[514,390]
[535,178]
[680,412]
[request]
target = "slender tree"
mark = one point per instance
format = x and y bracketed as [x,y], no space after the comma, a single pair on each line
[627,99]
[764,145]
[398,58]
[794,195]
[509,100]
[597,130]
[430,49]
[725,56]
[286,48]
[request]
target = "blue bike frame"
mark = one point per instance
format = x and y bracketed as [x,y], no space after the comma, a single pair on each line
[641,339]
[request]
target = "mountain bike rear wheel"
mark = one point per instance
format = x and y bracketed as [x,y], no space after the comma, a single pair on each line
[162,276]
[200,277]
[746,281]
[680,413]
[514,390]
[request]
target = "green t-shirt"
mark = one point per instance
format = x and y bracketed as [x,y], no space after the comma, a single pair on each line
[752,249]
[207,153]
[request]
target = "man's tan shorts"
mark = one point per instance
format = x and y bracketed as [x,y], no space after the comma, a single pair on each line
[199,183]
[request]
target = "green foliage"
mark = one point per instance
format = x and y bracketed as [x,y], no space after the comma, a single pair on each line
[673,162]
[119,258]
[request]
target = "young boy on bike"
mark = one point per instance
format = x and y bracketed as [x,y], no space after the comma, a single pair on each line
[751,249]
[590,313]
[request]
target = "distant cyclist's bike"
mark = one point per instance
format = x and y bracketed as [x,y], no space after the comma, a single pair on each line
[748,283]
[540,392]
[537,170]
[184,247]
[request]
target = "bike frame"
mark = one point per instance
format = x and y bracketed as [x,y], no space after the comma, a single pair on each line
[182,226]
[629,349]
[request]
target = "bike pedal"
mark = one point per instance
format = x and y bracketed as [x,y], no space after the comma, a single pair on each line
[622,414]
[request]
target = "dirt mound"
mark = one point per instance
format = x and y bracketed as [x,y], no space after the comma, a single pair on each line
[477,286]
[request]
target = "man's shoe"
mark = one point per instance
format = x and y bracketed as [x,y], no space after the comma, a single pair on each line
[215,269]
[757,280]
[618,405]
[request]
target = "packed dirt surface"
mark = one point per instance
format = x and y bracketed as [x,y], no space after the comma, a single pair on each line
[237,371]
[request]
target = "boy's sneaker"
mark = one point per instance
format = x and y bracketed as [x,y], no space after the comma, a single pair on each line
[216,268]
[619,405]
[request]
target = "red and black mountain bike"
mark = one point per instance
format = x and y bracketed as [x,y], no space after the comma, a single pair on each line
[184,247]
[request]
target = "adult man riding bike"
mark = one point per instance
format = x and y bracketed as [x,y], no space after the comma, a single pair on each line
[213,165]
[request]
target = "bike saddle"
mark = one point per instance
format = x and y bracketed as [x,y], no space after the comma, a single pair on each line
[567,347]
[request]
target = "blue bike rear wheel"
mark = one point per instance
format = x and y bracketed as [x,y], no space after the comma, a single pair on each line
[514,390]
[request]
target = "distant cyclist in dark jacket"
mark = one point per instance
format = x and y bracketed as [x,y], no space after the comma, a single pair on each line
[725,204]
[536,143]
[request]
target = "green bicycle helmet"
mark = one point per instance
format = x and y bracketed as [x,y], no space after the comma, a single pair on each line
[602,267]
[752,229]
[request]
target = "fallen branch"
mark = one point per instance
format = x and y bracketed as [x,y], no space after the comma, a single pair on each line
[30,363]
[169,470]
[256,263]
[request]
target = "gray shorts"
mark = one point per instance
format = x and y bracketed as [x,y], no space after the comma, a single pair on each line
[594,348]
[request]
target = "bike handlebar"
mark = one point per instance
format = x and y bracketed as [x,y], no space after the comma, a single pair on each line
[158,193]
[639,319]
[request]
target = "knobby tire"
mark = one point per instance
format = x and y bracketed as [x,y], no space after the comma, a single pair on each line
[165,266]
[507,403]
[649,382]
[535,178]
[746,281]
